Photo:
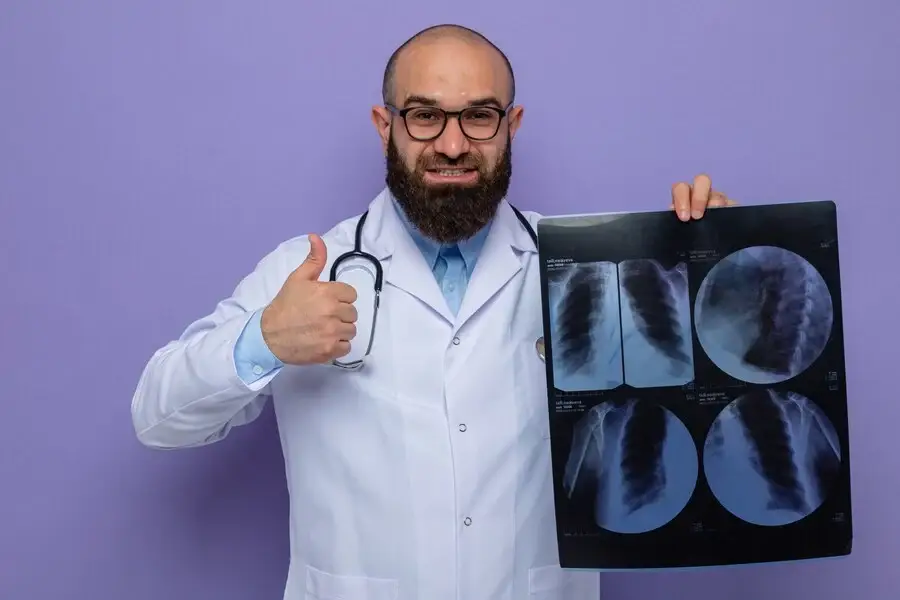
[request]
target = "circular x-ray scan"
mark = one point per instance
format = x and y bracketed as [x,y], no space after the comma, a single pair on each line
[632,465]
[763,314]
[771,458]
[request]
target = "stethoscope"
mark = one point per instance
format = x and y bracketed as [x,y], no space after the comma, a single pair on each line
[355,360]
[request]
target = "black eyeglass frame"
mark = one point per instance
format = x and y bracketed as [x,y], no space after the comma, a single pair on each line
[448,114]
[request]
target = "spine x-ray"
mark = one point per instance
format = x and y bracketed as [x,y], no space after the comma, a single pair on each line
[696,387]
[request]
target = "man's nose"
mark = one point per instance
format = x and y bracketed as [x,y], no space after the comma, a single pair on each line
[452,142]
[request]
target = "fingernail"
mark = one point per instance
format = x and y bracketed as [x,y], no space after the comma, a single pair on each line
[697,214]
[684,215]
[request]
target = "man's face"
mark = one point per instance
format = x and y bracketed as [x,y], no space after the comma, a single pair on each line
[449,187]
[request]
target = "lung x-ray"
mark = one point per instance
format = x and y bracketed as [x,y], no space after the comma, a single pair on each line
[695,385]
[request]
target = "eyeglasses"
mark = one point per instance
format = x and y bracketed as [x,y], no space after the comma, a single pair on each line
[426,123]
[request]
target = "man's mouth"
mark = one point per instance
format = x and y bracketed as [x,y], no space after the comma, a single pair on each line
[451,174]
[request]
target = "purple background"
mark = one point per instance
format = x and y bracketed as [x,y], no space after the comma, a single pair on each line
[151,152]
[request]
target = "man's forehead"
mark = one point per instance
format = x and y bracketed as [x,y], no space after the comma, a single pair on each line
[451,71]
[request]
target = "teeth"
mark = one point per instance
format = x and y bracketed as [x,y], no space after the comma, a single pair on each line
[450,172]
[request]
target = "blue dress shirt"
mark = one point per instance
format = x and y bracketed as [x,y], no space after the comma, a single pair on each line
[452,266]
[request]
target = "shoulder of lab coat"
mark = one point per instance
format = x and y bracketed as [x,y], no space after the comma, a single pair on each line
[190,392]
[531,216]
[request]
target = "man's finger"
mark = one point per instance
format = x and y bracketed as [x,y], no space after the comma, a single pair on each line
[681,200]
[343,292]
[700,195]
[311,268]
[717,199]
[346,313]
[346,332]
[341,349]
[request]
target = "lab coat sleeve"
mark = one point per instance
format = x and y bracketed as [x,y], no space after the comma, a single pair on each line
[191,392]
[252,356]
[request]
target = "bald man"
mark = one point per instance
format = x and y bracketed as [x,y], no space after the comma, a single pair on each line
[413,424]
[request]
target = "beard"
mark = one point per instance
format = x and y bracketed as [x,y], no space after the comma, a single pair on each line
[448,213]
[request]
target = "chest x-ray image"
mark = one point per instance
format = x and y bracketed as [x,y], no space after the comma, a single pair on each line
[633,464]
[771,458]
[653,325]
[584,322]
[763,314]
[656,324]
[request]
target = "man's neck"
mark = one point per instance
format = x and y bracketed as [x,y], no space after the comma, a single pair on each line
[431,249]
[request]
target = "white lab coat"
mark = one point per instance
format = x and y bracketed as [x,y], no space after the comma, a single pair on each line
[423,476]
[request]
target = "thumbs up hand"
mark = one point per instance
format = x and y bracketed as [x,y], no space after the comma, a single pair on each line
[310,321]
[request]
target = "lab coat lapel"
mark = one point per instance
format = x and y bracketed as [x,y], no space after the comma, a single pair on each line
[499,261]
[406,269]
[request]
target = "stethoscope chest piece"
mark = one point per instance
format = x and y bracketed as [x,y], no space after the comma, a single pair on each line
[539,347]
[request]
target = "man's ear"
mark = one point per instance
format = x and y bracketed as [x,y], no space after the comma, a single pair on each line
[515,120]
[381,118]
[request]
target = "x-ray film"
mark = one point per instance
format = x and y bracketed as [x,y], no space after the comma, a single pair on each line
[696,387]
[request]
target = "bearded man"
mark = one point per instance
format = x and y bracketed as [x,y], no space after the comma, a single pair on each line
[420,470]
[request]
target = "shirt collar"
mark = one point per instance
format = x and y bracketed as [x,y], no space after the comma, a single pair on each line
[431,250]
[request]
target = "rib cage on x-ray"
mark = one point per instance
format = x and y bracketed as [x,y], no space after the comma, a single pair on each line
[710,333]
[771,458]
[633,465]
[656,324]
[584,320]
[763,314]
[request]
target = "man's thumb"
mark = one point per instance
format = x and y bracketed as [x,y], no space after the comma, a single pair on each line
[312,266]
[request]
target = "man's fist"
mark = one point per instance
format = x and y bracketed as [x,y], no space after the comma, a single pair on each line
[310,321]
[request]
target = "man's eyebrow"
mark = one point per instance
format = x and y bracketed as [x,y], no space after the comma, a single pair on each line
[420,100]
[426,101]
[487,101]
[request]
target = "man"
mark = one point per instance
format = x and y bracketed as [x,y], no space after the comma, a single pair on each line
[426,473]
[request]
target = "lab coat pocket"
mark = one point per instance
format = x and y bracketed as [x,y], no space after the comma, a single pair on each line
[327,586]
[548,583]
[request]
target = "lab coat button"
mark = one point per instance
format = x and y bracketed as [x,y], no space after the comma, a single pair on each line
[462,427]
[468,521]
[258,370]
[456,341]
